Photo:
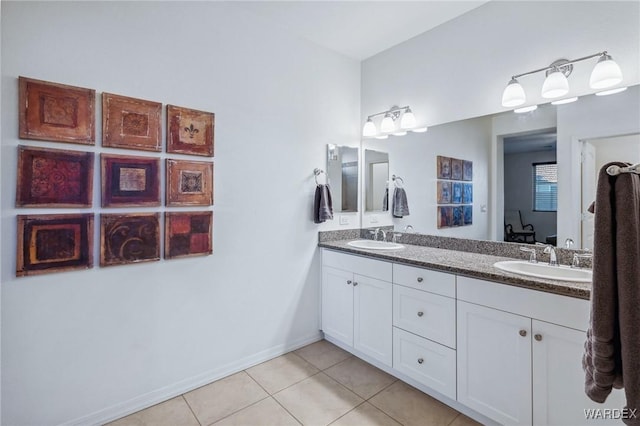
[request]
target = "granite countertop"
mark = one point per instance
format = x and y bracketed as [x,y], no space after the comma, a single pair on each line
[471,265]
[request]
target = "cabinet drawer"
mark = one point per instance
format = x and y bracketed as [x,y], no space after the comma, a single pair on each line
[425,279]
[429,363]
[360,265]
[425,314]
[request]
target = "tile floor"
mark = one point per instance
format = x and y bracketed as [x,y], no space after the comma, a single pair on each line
[319,384]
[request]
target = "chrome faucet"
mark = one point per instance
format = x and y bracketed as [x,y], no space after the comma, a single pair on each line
[551,251]
[384,235]
[407,228]
[532,254]
[376,232]
[578,256]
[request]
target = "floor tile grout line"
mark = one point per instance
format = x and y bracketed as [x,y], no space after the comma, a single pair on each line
[337,363]
[454,419]
[191,409]
[363,402]
[285,409]
[237,411]
[383,389]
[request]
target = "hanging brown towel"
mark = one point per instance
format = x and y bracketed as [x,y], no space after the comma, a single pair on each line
[612,349]
[322,205]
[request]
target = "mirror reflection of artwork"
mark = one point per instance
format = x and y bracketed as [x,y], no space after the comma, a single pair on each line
[444,167]
[456,169]
[188,234]
[456,198]
[468,215]
[467,193]
[445,217]
[467,170]
[444,192]
[189,183]
[458,216]
[190,131]
[129,238]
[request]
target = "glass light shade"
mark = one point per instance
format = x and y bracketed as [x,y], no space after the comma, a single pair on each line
[605,74]
[369,129]
[419,130]
[382,137]
[402,133]
[555,85]
[513,94]
[564,101]
[611,92]
[387,124]
[408,120]
[526,109]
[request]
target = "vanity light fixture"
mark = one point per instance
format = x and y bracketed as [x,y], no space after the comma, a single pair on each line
[611,92]
[526,109]
[605,74]
[564,101]
[390,125]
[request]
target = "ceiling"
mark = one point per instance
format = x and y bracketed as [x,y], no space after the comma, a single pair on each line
[358,29]
[545,141]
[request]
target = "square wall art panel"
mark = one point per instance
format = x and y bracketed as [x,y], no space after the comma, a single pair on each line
[53,243]
[129,238]
[189,183]
[54,178]
[189,131]
[56,112]
[188,234]
[130,181]
[131,123]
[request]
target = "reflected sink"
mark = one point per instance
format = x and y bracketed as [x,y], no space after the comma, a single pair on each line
[375,245]
[543,270]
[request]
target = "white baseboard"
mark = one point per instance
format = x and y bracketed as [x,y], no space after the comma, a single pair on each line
[165,393]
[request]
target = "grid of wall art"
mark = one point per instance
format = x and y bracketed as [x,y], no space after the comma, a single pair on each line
[454,192]
[61,178]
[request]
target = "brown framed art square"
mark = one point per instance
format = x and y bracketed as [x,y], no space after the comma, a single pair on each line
[56,112]
[129,181]
[54,243]
[190,131]
[54,178]
[131,123]
[189,183]
[129,238]
[188,234]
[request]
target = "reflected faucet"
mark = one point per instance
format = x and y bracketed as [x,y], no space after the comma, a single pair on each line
[384,235]
[408,228]
[376,232]
[551,251]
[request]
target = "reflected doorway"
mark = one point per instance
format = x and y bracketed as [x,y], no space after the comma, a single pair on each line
[595,154]
[531,186]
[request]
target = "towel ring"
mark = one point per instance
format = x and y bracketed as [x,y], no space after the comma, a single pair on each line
[395,180]
[616,170]
[317,172]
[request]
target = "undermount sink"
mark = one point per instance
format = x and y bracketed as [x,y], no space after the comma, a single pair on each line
[375,245]
[543,270]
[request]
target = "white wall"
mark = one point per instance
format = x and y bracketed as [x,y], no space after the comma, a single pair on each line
[87,346]
[413,157]
[459,69]
[518,190]
[621,148]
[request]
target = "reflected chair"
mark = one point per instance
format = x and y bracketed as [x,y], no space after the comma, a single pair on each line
[516,231]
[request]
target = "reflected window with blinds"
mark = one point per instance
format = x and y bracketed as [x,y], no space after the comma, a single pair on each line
[545,187]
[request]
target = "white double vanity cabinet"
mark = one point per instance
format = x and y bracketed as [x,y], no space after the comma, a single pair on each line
[509,353]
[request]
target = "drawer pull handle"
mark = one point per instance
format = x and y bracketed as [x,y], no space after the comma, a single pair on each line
[538,337]
[348,282]
[420,279]
[420,360]
[420,313]
[355,283]
[523,333]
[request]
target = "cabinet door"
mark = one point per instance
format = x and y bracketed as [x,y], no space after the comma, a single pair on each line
[372,318]
[558,379]
[494,363]
[337,304]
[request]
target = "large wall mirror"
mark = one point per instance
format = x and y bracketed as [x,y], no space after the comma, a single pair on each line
[528,163]
[342,170]
[376,178]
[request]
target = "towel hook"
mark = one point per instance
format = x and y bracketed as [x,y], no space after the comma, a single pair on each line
[616,170]
[317,172]
[395,180]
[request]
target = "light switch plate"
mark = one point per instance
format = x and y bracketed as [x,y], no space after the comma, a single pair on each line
[344,220]
[373,218]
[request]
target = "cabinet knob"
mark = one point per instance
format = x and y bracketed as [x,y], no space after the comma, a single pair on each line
[348,281]
[420,279]
[523,333]
[538,337]
[420,313]
[420,360]
[355,283]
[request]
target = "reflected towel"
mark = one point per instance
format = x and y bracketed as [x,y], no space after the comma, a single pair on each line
[322,206]
[385,200]
[400,206]
[611,350]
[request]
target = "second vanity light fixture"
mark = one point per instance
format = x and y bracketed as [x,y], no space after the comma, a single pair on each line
[389,125]
[605,74]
